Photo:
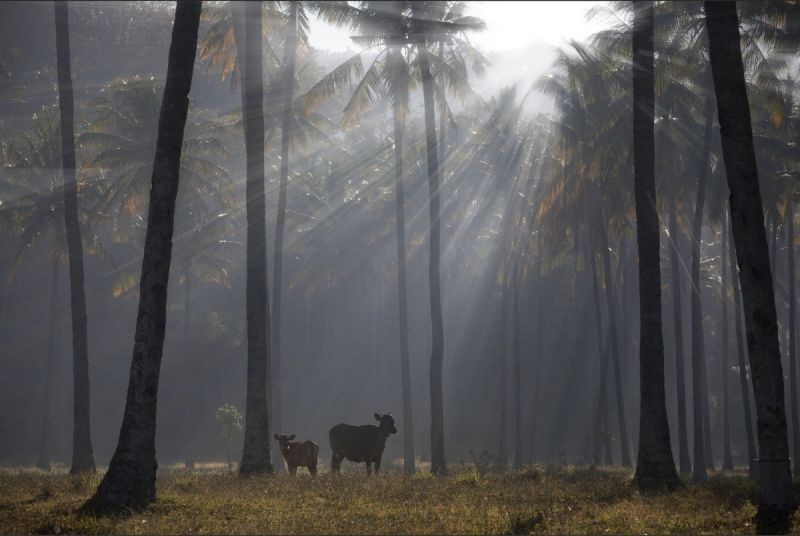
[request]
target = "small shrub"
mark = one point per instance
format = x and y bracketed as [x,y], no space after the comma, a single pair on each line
[470,477]
[187,484]
[46,490]
[483,461]
[423,475]
[82,483]
[525,523]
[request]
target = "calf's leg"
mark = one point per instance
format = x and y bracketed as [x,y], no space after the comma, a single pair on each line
[377,465]
[293,470]
[336,462]
[369,468]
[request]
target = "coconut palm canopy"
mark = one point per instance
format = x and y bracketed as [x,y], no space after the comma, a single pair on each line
[513,252]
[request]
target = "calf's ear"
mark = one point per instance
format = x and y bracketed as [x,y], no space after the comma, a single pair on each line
[377,416]
[291,437]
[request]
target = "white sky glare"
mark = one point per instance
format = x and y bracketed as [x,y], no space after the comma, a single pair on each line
[510,25]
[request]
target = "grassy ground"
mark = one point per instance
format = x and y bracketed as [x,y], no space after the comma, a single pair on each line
[529,500]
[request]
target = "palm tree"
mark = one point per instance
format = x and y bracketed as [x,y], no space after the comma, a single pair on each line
[82,456]
[256,453]
[727,456]
[31,162]
[752,453]
[777,500]
[655,467]
[131,476]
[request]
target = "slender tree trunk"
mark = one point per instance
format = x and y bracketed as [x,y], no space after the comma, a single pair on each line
[538,358]
[82,455]
[130,480]
[256,450]
[438,464]
[680,375]
[752,453]
[191,386]
[517,367]
[792,347]
[502,344]
[698,342]
[405,362]
[43,461]
[777,500]
[612,333]
[289,59]
[727,458]
[601,430]
[655,467]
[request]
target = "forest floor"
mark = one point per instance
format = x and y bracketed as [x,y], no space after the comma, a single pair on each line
[533,499]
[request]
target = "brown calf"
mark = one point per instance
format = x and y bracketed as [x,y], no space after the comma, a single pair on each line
[298,454]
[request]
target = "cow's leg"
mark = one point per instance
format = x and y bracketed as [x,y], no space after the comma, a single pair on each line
[293,470]
[312,468]
[336,463]
[377,465]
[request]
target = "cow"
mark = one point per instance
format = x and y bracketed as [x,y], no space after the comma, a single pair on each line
[361,443]
[298,454]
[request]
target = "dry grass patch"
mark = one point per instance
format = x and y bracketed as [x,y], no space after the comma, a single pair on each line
[525,501]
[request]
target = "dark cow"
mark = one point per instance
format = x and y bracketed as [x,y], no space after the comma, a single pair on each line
[361,443]
[298,454]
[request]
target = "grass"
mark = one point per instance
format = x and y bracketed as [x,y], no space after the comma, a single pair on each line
[530,500]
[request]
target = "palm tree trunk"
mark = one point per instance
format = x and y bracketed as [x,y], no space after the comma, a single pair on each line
[131,476]
[777,500]
[612,333]
[502,344]
[677,316]
[82,455]
[43,461]
[698,342]
[191,386]
[402,291]
[601,421]
[655,467]
[792,347]
[438,464]
[256,450]
[289,58]
[752,453]
[517,366]
[727,458]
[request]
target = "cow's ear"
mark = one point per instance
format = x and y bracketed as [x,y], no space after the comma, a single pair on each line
[277,437]
[291,437]
[377,416]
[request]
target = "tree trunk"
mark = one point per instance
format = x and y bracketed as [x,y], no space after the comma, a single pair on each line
[43,461]
[130,480]
[601,435]
[289,59]
[256,450]
[698,342]
[792,347]
[517,366]
[438,464]
[727,458]
[82,455]
[752,453]
[402,291]
[191,386]
[502,344]
[655,467]
[612,333]
[677,316]
[747,216]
